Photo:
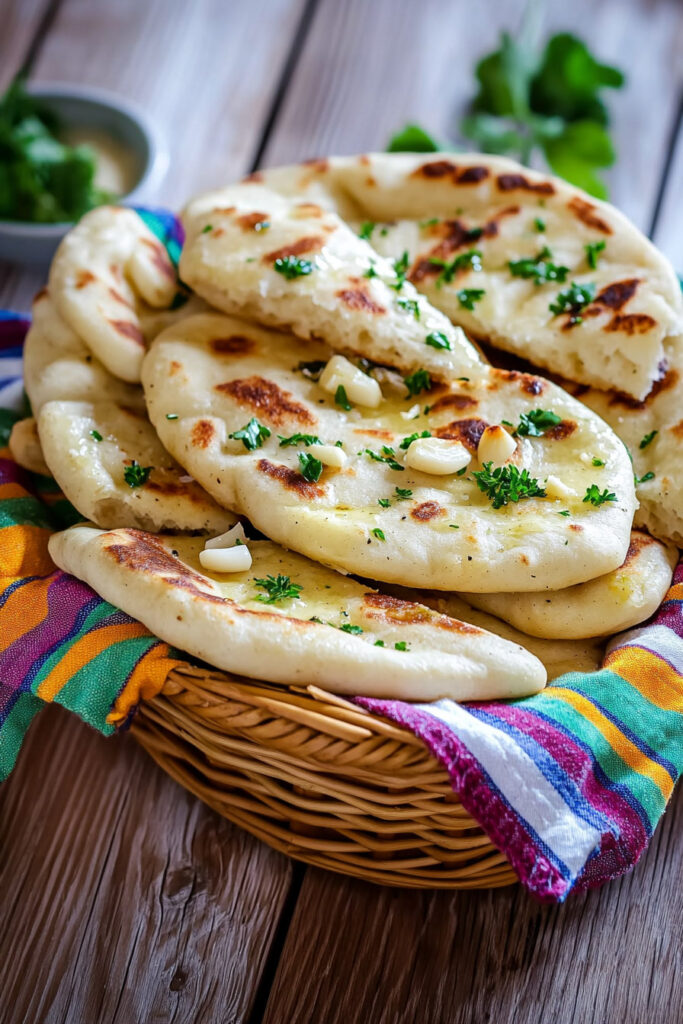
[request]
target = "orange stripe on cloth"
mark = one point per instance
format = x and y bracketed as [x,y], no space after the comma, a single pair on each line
[623,746]
[656,680]
[24,551]
[24,609]
[13,490]
[146,681]
[84,650]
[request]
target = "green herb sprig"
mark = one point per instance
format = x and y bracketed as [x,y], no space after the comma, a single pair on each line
[506,484]
[277,588]
[252,435]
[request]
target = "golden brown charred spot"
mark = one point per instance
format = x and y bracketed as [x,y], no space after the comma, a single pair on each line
[393,610]
[467,431]
[266,397]
[202,433]
[118,297]
[357,298]
[290,479]
[455,235]
[454,402]
[142,553]
[248,221]
[435,169]
[471,175]
[585,212]
[524,559]
[319,164]
[160,258]
[174,367]
[639,541]
[576,527]
[427,510]
[40,294]
[677,430]
[226,211]
[386,435]
[217,232]
[237,344]
[665,383]
[561,430]
[631,323]
[616,295]
[528,383]
[164,482]
[253,178]
[311,243]
[513,182]
[364,160]
[115,271]
[83,278]
[308,210]
[128,330]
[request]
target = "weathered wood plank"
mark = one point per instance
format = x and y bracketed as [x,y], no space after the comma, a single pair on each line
[355,952]
[668,233]
[367,68]
[125,899]
[20,20]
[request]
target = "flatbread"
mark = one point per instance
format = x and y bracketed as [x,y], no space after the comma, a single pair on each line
[236,239]
[24,446]
[215,373]
[442,206]
[159,581]
[93,428]
[601,607]
[108,272]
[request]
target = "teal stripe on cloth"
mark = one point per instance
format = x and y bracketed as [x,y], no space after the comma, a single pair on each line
[14,728]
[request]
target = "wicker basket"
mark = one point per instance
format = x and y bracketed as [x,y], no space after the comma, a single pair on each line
[319,779]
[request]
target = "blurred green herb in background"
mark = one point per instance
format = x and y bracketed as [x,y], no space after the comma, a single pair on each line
[41,179]
[529,100]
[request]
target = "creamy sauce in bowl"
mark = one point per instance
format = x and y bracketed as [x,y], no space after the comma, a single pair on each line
[116,166]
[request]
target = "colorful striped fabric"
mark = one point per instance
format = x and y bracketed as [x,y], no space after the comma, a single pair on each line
[569,784]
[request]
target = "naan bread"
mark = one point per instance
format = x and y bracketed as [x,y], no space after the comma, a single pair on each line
[601,607]
[108,273]
[237,238]
[24,446]
[329,634]
[93,428]
[438,207]
[215,373]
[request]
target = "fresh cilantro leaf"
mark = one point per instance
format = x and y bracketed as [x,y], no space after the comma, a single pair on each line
[573,300]
[341,398]
[539,224]
[577,151]
[410,306]
[418,382]
[648,439]
[564,512]
[506,484]
[539,268]
[401,267]
[388,456]
[593,250]
[307,439]
[171,415]
[95,434]
[278,588]
[597,462]
[568,80]
[370,272]
[644,479]
[252,435]
[536,422]
[379,534]
[412,139]
[207,227]
[384,502]
[470,260]
[348,628]
[401,645]
[597,497]
[467,297]
[407,441]
[366,229]
[403,493]
[292,267]
[437,339]
[311,468]
[453,526]
[379,643]
[136,475]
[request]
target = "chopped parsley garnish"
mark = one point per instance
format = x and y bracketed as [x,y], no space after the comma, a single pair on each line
[539,224]
[564,512]
[171,415]
[597,497]
[453,526]
[470,260]
[407,441]
[648,439]
[468,296]
[643,479]
[403,493]
[573,300]
[418,382]
[136,475]
[401,270]
[388,455]
[311,468]
[348,628]
[437,339]
[597,462]
[278,588]
[384,502]
[307,439]
[429,223]
[593,250]
[400,645]
[507,484]
[410,306]
[539,268]
[370,272]
[292,267]
[252,435]
[366,229]
[341,398]
[536,422]
[379,643]
[312,369]
[207,227]
[379,534]
[95,434]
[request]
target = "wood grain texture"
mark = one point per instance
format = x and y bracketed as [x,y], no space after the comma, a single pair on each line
[668,234]
[359,953]
[19,22]
[125,900]
[368,68]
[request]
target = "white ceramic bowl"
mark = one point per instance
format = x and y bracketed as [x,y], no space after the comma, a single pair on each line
[91,109]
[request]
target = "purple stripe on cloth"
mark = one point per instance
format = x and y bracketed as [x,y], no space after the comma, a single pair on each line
[479,798]
[13,330]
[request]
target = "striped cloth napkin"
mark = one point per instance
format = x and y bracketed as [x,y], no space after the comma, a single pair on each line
[569,784]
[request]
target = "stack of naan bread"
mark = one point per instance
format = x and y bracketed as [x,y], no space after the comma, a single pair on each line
[296,462]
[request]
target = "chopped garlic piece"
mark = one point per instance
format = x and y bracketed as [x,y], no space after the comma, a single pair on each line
[329,455]
[359,388]
[227,539]
[496,446]
[412,413]
[437,455]
[554,488]
[237,559]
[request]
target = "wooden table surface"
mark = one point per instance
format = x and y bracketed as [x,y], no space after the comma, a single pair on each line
[122,898]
